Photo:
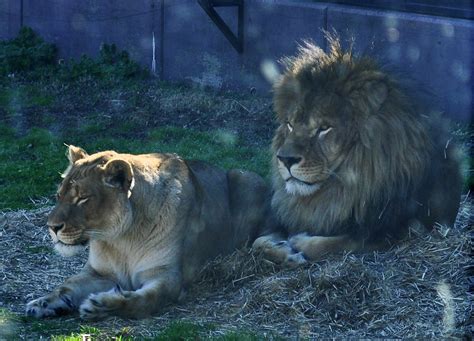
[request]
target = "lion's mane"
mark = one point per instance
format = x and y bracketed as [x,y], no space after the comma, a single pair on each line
[394,151]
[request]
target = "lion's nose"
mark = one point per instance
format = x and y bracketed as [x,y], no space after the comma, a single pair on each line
[55,227]
[289,161]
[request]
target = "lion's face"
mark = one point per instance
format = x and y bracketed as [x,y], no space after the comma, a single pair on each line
[92,201]
[324,104]
[311,141]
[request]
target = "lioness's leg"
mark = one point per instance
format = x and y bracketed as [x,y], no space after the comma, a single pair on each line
[315,247]
[276,249]
[69,296]
[153,294]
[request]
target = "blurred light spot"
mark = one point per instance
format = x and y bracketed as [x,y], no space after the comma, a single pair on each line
[269,71]
[413,53]
[8,327]
[351,177]
[226,137]
[253,31]
[447,30]
[460,71]
[78,22]
[394,52]
[444,292]
[393,35]
[182,13]
[391,21]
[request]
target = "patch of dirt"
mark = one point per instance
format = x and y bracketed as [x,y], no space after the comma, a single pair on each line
[419,289]
[132,110]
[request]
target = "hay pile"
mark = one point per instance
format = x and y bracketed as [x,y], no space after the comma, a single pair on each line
[416,290]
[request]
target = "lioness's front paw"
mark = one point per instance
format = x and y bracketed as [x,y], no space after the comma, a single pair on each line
[47,306]
[102,305]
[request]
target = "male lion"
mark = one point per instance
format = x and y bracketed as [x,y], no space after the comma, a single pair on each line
[355,161]
[151,221]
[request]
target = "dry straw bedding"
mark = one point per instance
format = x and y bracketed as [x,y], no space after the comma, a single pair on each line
[418,289]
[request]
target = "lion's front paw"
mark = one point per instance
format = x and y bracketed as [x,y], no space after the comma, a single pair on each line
[301,242]
[295,259]
[48,306]
[316,247]
[102,305]
[278,251]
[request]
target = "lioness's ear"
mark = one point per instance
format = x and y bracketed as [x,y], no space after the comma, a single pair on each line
[118,174]
[75,153]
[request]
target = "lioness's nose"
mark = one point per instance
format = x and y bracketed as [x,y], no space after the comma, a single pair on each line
[56,227]
[289,161]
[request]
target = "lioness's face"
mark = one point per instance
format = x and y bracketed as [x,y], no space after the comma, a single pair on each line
[311,140]
[92,201]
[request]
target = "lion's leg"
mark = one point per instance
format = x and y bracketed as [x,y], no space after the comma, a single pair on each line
[68,297]
[276,249]
[153,294]
[315,247]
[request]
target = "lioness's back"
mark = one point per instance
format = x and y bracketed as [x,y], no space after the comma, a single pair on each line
[239,198]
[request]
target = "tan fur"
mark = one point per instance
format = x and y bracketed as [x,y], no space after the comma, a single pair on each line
[152,221]
[354,157]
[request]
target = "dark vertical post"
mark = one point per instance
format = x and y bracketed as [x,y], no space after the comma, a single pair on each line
[240,24]
[21,13]
[162,38]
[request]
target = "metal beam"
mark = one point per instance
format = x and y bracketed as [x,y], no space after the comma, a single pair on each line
[208,6]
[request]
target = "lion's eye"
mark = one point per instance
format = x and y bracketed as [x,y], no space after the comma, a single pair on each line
[82,200]
[323,130]
[289,126]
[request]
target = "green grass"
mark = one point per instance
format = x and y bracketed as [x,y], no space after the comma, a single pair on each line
[181,330]
[66,330]
[8,324]
[30,166]
[24,96]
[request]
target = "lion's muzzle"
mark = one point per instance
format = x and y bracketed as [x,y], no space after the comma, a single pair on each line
[55,227]
[289,161]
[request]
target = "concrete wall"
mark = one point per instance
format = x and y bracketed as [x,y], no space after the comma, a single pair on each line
[436,51]
[10,18]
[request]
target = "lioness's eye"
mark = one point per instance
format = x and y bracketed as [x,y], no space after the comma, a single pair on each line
[289,126]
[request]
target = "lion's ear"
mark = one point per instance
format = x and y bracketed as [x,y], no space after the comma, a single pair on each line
[118,174]
[377,92]
[75,153]
[368,91]
[375,95]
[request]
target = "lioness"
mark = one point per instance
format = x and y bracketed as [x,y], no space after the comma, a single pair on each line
[151,222]
[355,160]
